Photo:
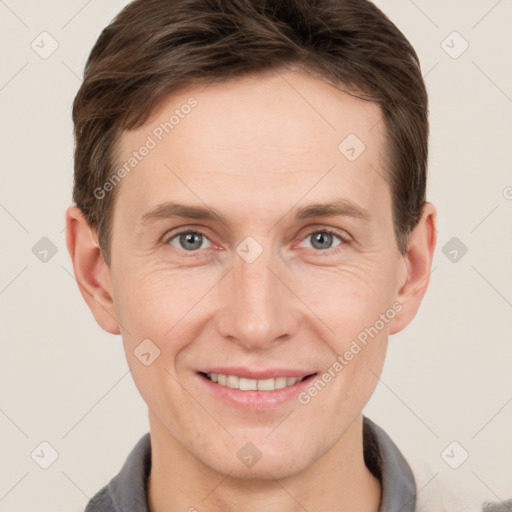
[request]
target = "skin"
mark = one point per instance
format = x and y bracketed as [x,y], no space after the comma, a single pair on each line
[255,151]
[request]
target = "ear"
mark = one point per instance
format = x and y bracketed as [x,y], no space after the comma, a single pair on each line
[91,272]
[417,267]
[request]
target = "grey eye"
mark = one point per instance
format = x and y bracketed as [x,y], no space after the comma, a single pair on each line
[188,240]
[322,240]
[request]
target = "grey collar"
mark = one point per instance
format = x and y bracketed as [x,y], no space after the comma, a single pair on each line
[384,460]
[127,491]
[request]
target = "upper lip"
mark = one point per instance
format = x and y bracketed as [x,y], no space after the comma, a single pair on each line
[270,373]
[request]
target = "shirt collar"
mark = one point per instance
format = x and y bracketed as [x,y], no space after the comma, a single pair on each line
[384,460]
[127,491]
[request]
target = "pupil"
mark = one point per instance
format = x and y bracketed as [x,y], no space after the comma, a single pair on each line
[326,238]
[192,238]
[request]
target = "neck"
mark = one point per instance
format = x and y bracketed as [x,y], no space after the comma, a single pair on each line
[337,481]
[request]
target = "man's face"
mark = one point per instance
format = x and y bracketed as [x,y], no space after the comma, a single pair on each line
[263,292]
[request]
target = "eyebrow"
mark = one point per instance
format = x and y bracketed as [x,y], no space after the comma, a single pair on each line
[173,209]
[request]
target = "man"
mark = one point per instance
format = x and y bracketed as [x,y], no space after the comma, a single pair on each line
[251,218]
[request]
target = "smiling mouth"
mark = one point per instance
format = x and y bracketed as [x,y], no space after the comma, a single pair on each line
[243,384]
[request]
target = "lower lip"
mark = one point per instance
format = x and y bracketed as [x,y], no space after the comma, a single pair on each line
[256,400]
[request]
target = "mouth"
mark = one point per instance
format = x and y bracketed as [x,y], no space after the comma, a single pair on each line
[254,391]
[246,384]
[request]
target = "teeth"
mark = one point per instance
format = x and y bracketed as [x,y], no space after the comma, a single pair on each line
[246,384]
[280,382]
[234,382]
[266,385]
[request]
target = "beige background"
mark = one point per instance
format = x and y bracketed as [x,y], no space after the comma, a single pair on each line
[64,381]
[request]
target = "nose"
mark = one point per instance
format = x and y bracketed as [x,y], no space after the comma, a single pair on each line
[260,308]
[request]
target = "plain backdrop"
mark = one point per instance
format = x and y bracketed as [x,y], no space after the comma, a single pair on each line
[65,382]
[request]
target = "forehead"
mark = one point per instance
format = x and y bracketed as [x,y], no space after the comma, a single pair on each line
[266,136]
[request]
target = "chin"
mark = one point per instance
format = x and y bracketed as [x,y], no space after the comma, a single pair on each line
[267,472]
[266,468]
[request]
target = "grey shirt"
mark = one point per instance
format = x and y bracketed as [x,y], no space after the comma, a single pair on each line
[127,491]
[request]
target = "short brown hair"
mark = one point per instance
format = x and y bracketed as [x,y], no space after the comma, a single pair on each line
[155,47]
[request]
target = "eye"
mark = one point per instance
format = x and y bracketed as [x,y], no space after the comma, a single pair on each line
[193,240]
[322,240]
[188,240]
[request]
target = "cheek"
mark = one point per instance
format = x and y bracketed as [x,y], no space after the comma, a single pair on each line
[164,395]
[156,311]
[356,304]
[348,298]
[154,303]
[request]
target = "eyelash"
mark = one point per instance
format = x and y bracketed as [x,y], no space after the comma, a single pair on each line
[328,252]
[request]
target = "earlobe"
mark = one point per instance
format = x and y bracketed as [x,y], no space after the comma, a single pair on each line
[90,269]
[418,263]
